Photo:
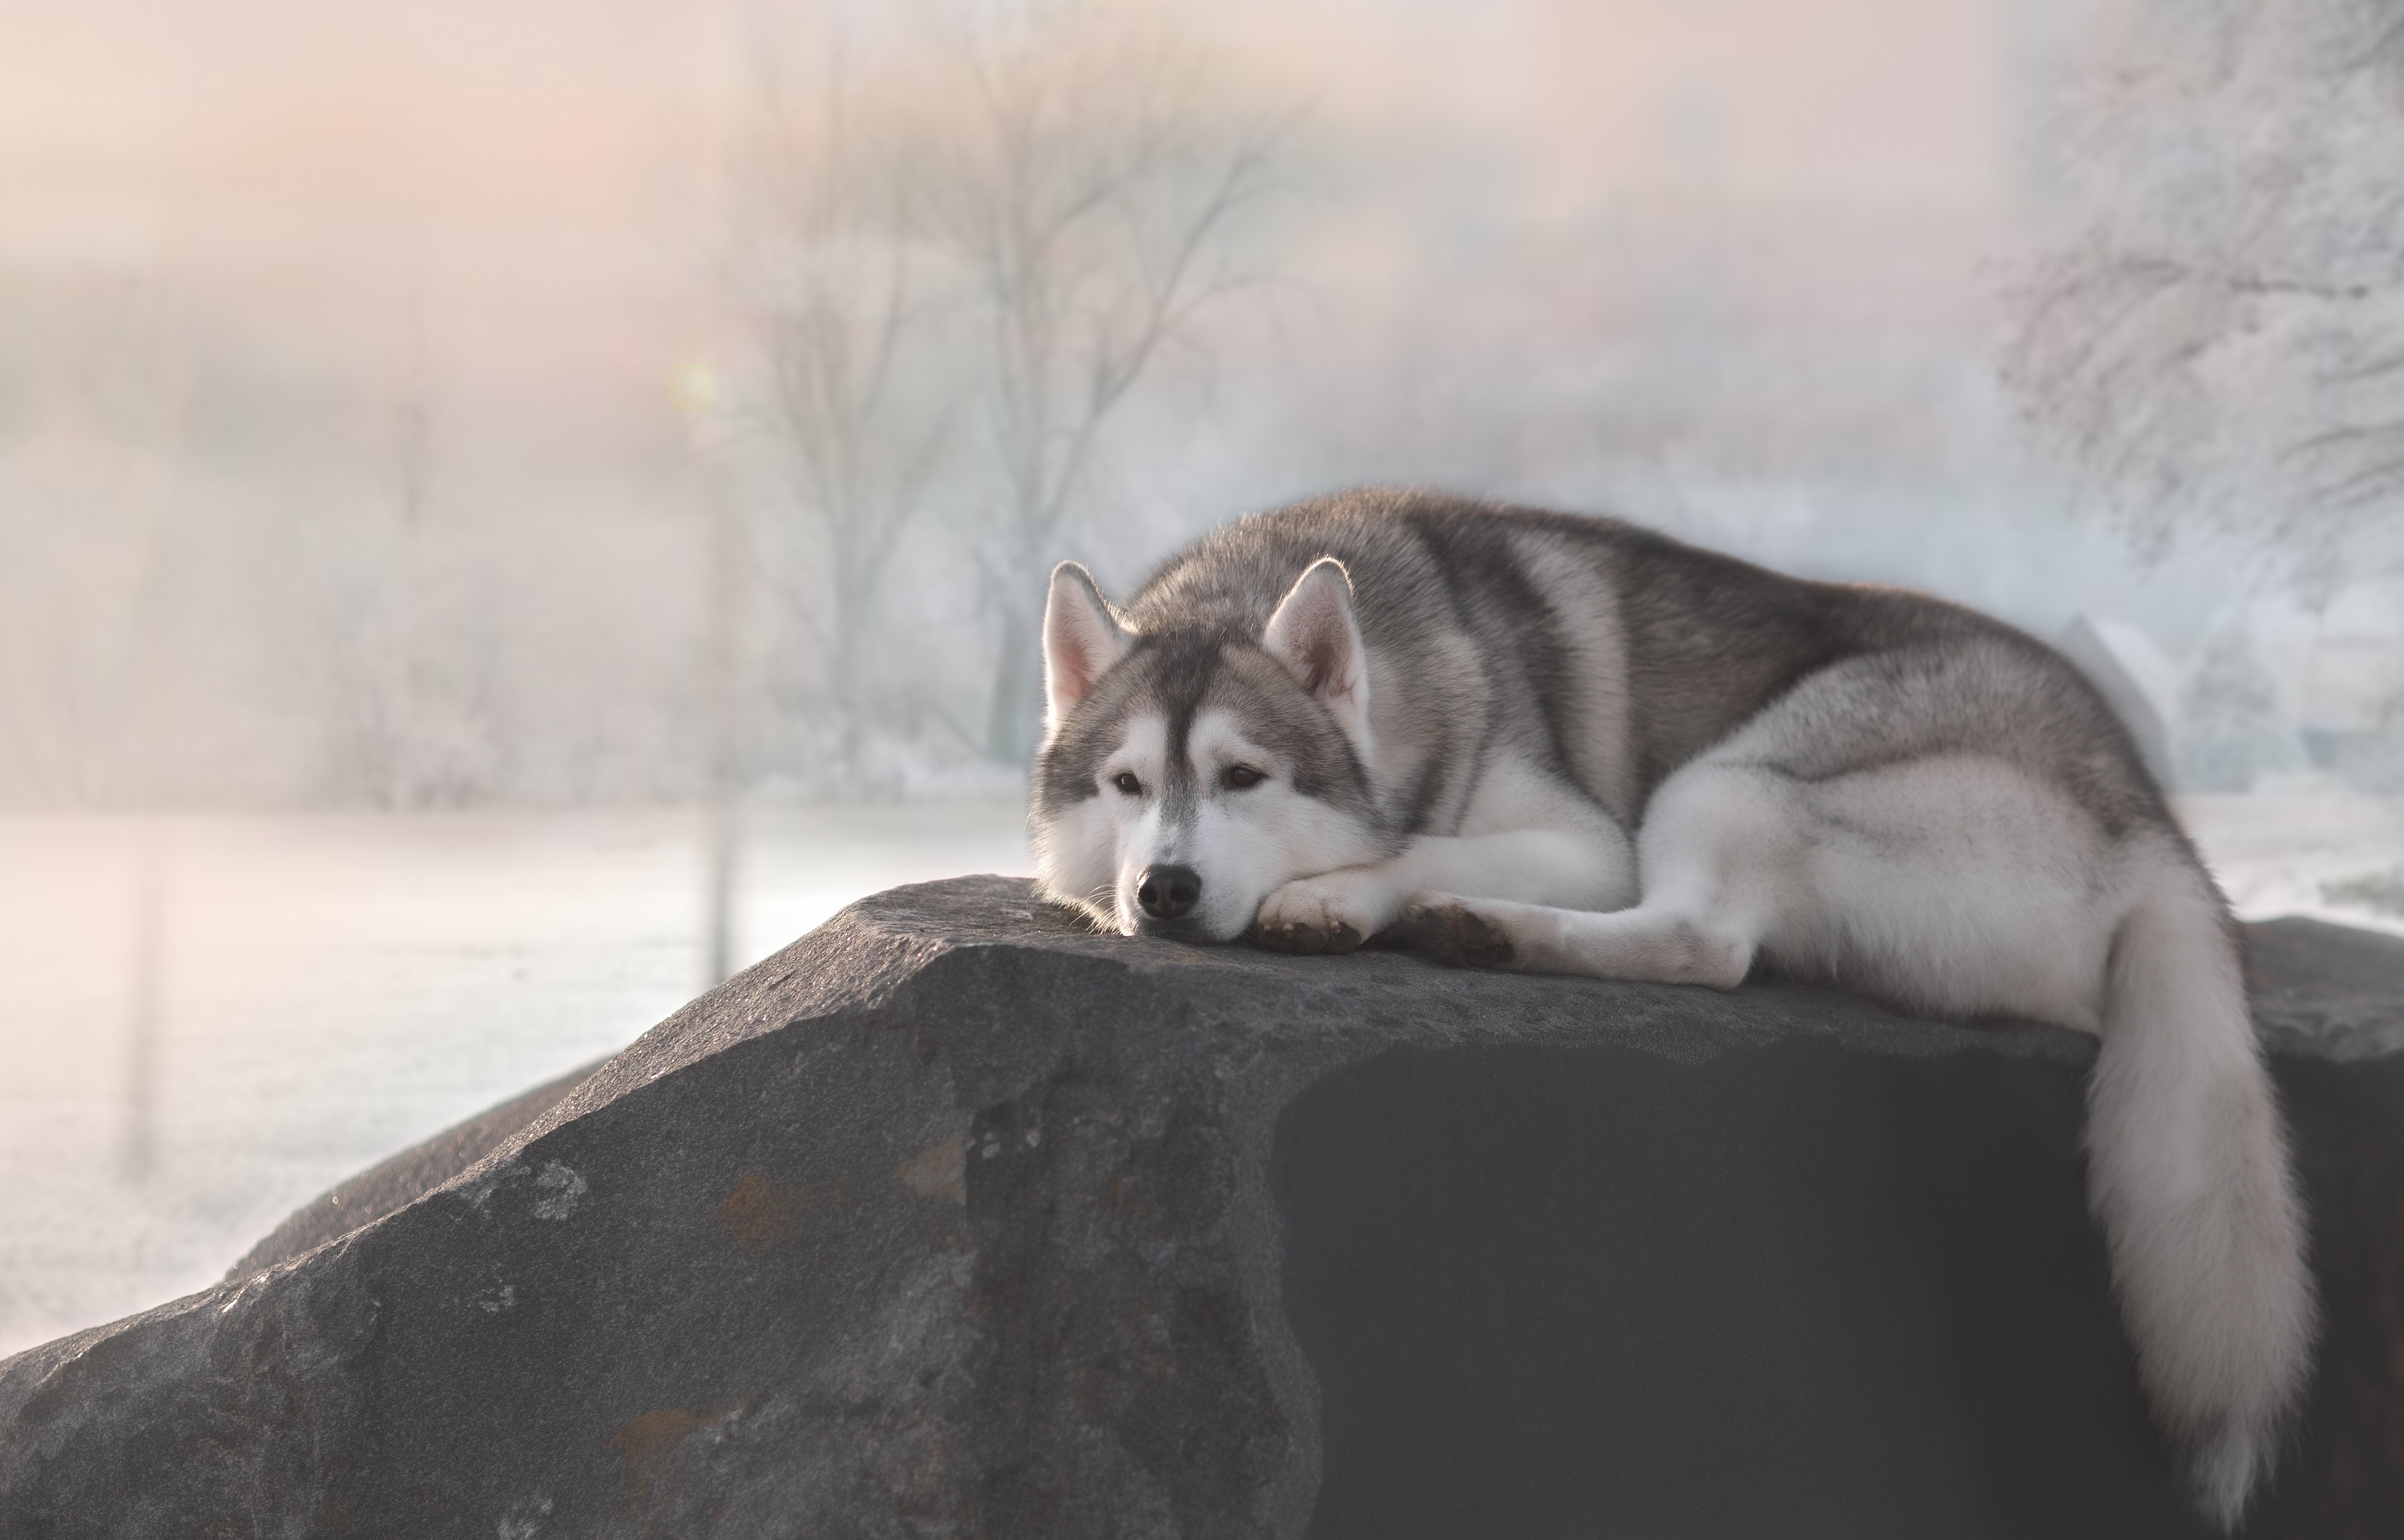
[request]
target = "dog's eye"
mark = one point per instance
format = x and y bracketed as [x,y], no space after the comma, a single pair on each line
[1125,781]
[1240,777]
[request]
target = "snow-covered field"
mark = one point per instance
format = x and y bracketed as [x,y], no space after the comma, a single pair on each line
[332,989]
[329,989]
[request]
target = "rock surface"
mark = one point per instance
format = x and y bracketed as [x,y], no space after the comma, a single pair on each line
[397,1182]
[954,1220]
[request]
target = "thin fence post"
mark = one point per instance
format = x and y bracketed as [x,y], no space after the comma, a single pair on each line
[137,1142]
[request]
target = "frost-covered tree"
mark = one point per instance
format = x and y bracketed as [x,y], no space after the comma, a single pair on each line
[1096,185]
[408,631]
[2231,732]
[2375,760]
[87,494]
[856,316]
[2218,335]
[966,244]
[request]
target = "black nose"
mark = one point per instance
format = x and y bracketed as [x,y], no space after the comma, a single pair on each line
[1167,891]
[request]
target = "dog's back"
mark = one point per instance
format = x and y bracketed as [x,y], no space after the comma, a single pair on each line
[1619,653]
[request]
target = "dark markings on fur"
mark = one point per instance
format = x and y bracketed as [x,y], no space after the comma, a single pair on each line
[1454,936]
[1998,696]
[1182,674]
[1520,637]
[1416,806]
[1191,669]
[1274,710]
[1709,643]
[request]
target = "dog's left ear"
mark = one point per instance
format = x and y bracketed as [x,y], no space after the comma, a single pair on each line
[1081,638]
[1315,635]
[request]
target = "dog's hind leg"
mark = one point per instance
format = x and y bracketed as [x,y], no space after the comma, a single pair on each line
[1336,911]
[1652,944]
[1718,855]
[1948,883]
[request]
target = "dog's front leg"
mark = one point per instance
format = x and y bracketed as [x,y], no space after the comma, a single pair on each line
[1591,866]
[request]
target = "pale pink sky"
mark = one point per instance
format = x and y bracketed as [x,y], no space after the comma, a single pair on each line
[534,178]
[444,109]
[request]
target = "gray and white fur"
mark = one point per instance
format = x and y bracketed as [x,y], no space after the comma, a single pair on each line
[1568,745]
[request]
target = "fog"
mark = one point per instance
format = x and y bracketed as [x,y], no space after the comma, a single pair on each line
[375,381]
[570,418]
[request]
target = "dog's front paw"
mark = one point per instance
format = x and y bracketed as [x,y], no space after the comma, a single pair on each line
[1335,912]
[1446,928]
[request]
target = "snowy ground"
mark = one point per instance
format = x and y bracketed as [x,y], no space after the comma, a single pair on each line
[332,989]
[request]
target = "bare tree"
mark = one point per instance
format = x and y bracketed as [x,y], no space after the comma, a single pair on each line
[87,510]
[409,651]
[849,302]
[995,220]
[2218,336]
[1094,187]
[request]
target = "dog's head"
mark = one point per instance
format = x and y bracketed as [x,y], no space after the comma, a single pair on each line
[1187,773]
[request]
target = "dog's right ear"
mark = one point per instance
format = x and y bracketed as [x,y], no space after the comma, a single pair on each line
[1081,638]
[1315,634]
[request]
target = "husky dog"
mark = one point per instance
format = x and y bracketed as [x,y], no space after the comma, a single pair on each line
[1566,744]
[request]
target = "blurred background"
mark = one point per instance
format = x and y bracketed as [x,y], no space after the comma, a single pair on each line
[510,511]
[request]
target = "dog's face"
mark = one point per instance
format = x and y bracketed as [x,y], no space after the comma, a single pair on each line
[1184,776]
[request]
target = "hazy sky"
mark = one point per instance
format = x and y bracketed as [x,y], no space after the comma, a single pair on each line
[1734,266]
[268,133]
[444,107]
[518,199]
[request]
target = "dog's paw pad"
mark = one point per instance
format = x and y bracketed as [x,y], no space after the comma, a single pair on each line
[1455,935]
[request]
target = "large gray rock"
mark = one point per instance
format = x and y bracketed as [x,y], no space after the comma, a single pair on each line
[952,1220]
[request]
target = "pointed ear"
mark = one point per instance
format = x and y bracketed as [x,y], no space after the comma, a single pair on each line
[1081,638]
[1315,635]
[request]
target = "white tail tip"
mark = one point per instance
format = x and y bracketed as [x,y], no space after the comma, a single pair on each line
[2225,1467]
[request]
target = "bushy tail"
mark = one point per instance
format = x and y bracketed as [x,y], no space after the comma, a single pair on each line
[2189,1173]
